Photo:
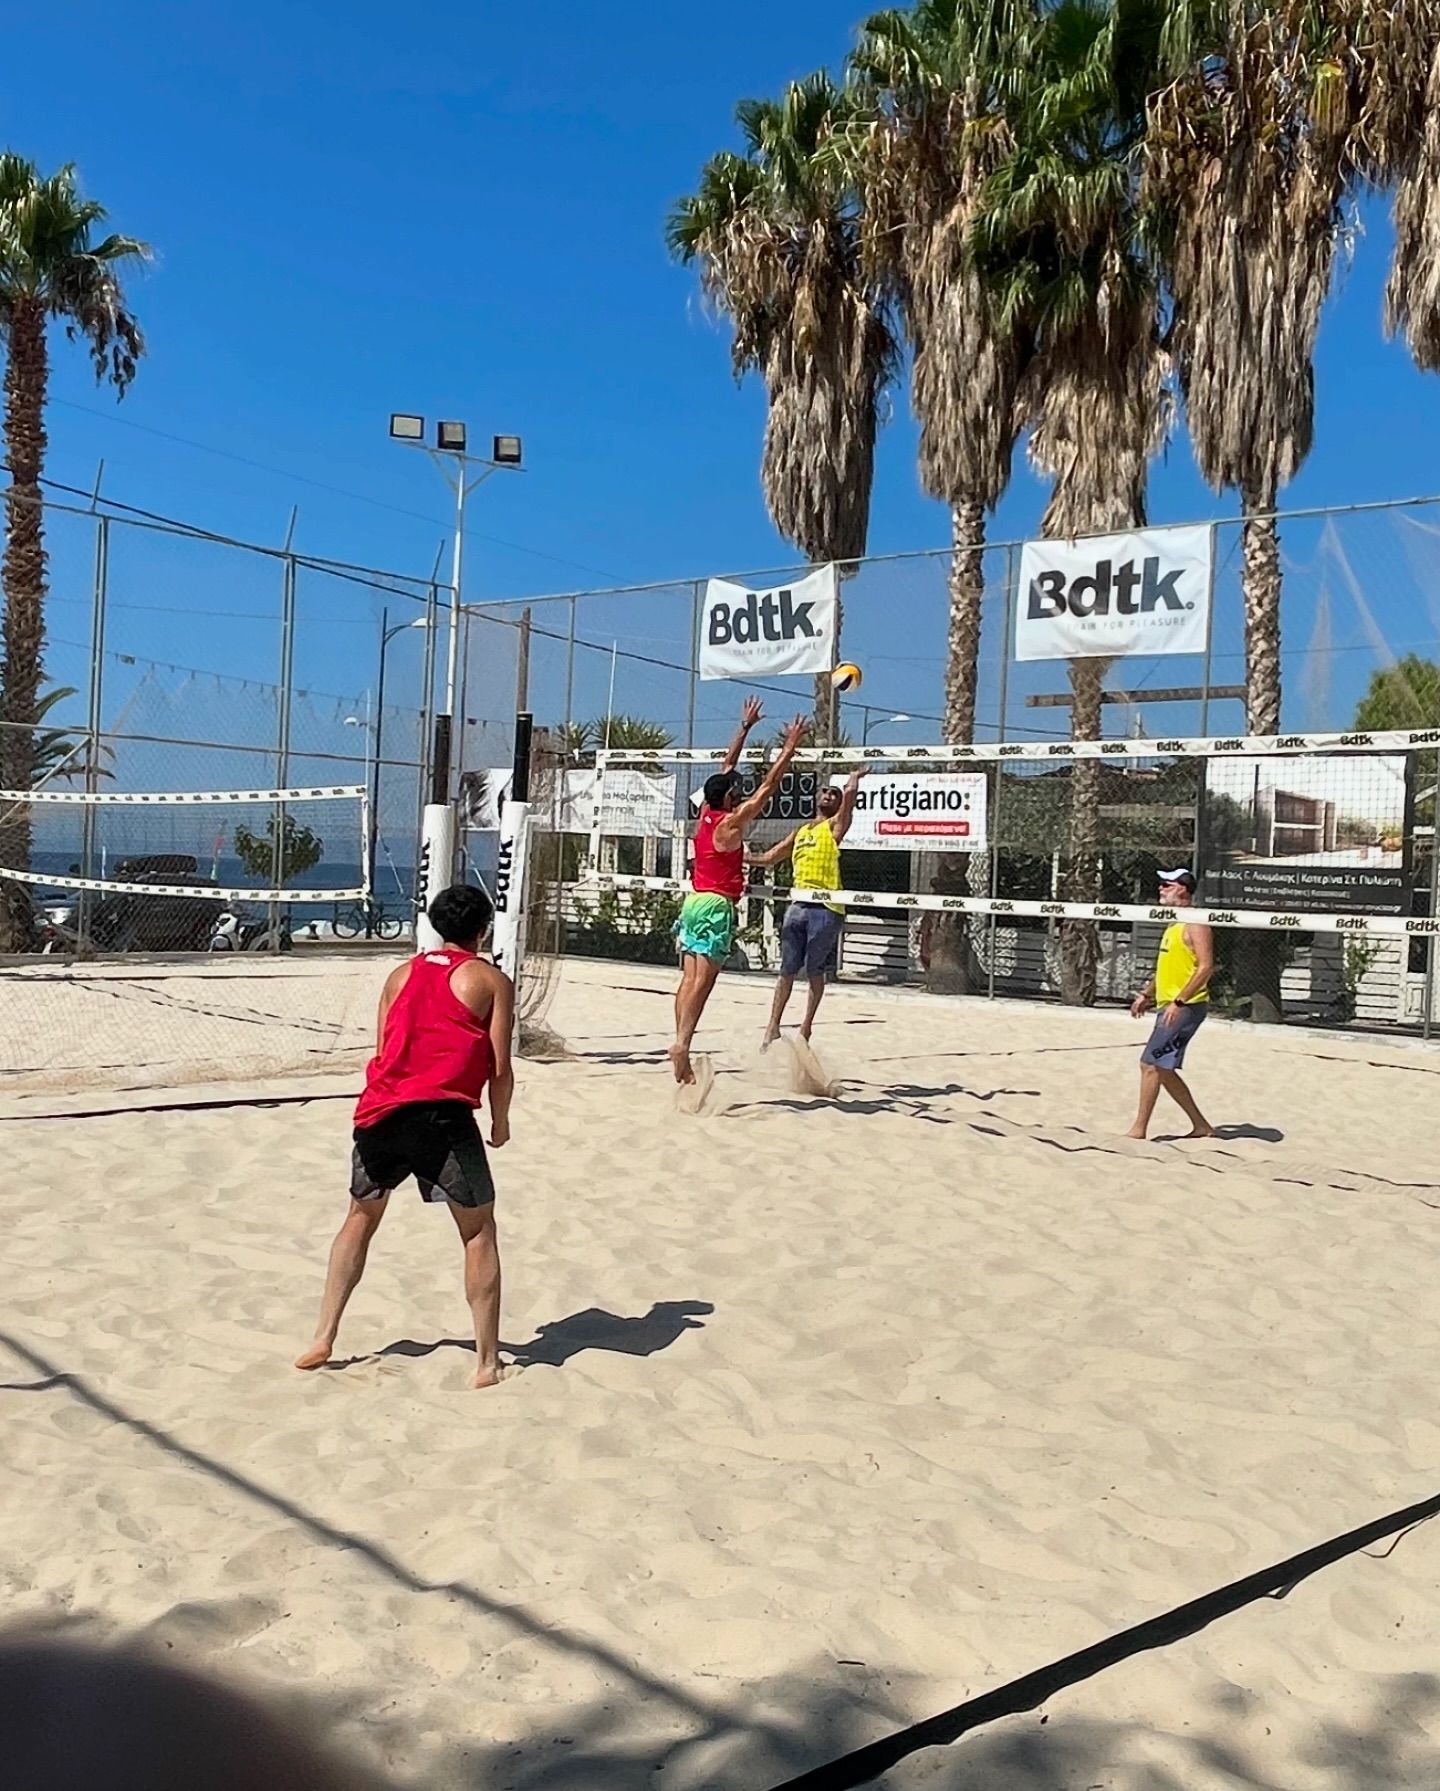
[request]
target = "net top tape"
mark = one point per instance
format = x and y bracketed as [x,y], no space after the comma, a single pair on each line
[1047,751]
[203,892]
[122,798]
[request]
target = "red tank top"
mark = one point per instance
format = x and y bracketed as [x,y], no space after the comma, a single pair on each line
[433,1048]
[717,872]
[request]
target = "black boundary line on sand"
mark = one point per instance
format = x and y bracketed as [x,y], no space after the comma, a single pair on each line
[293,1100]
[1034,1689]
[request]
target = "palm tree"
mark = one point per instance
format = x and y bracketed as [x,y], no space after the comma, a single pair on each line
[1403,134]
[777,236]
[632,732]
[941,80]
[58,754]
[579,739]
[1249,152]
[50,268]
[1063,245]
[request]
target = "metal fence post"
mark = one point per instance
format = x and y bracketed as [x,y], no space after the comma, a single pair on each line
[522,663]
[282,729]
[1207,677]
[1007,609]
[99,593]
[1425,1028]
[570,677]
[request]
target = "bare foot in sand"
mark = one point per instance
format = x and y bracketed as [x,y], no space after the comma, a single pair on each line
[1139,1137]
[680,1063]
[496,1375]
[316,1356]
[1199,1132]
[770,1038]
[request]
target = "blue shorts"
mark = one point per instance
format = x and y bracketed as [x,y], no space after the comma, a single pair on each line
[1166,1048]
[810,940]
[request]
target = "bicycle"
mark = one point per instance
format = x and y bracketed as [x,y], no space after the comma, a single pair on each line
[378,922]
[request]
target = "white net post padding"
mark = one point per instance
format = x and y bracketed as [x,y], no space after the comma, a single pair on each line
[1312,828]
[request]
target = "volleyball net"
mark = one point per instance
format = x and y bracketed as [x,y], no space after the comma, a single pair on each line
[1327,837]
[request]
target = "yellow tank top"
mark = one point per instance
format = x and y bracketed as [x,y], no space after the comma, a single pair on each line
[1174,967]
[816,859]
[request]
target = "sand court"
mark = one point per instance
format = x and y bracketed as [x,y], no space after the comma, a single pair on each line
[835,1411]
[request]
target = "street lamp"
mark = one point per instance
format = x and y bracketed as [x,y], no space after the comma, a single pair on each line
[449,454]
[885,721]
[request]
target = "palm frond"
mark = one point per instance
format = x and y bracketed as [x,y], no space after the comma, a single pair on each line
[776,234]
[48,258]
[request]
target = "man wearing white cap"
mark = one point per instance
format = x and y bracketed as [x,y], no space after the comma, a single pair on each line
[1180,990]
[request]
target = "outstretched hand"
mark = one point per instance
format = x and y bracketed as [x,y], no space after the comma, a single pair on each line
[853,781]
[796,732]
[751,712]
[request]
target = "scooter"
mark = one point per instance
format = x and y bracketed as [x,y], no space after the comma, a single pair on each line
[230,933]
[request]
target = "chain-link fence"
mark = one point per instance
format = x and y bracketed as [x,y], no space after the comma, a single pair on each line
[178,661]
[1361,593]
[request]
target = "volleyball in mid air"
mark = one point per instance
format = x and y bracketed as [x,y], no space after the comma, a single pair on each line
[847,676]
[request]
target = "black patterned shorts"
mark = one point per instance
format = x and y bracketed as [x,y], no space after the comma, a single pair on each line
[438,1142]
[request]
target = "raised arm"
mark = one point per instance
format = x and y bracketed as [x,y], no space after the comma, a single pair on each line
[740,818]
[840,825]
[776,854]
[749,715]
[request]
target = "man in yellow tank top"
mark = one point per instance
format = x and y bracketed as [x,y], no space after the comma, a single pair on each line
[1180,990]
[810,931]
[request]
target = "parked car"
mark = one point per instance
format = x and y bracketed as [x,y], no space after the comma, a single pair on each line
[156,922]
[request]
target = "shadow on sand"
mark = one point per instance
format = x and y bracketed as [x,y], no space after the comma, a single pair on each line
[557,1343]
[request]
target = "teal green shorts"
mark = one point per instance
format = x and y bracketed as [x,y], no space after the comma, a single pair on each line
[706,927]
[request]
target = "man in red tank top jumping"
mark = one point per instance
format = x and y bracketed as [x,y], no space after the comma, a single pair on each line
[706,929]
[442,1038]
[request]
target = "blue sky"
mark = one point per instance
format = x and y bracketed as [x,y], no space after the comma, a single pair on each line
[457,209]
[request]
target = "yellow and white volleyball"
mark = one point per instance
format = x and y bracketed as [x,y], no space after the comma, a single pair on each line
[847,676]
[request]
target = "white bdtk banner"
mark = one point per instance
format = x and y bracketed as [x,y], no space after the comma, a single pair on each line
[1114,595]
[789,629]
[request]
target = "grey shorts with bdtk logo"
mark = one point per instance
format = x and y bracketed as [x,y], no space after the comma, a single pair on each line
[1166,1047]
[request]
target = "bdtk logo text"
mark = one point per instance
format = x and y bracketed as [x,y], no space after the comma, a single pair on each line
[1146,592]
[775,616]
[788,629]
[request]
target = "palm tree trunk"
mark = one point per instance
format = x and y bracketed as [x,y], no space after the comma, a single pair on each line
[1256,957]
[954,964]
[1260,580]
[967,589]
[1080,941]
[24,580]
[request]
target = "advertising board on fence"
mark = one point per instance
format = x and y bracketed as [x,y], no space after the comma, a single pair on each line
[1147,591]
[1308,833]
[791,629]
[636,804]
[924,811]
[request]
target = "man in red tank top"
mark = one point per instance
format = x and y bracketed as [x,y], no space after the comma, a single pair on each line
[706,929]
[442,1038]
